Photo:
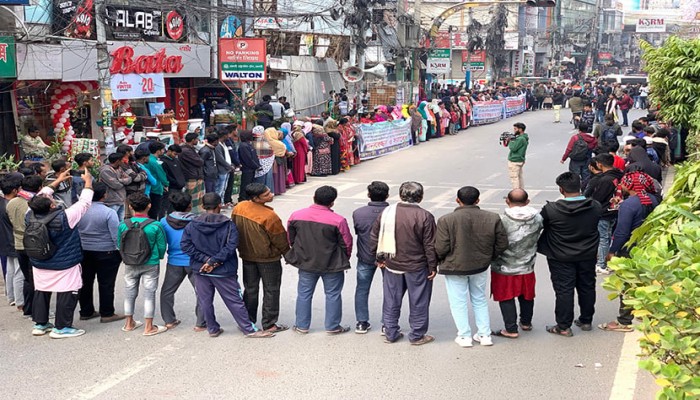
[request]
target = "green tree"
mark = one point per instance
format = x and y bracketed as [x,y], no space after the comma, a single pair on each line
[661,282]
[674,74]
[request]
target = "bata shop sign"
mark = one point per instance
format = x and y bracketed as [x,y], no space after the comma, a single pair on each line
[144,24]
[137,86]
[170,59]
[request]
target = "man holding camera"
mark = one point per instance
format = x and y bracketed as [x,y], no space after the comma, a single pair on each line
[517,145]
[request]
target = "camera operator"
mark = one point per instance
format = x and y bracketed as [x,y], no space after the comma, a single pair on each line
[516,156]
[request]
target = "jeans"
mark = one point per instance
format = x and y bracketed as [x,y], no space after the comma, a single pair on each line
[510,313]
[119,209]
[557,112]
[271,275]
[221,185]
[65,308]
[567,277]
[365,274]
[210,185]
[230,292]
[104,265]
[332,286]
[599,116]
[14,282]
[605,230]
[460,289]
[28,289]
[174,275]
[420,291]
[636,101]
[580,167]
[515,173]
[642,102]
[624,117]
[133,275]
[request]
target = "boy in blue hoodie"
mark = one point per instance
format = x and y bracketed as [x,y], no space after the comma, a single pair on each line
[178,262]
[210,240]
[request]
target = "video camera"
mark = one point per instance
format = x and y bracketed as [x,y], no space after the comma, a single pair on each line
[505,138]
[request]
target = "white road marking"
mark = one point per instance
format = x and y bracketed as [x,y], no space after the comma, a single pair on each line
[115,379]
[627,368]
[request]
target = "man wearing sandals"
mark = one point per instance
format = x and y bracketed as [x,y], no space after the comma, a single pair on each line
[321,246]
[570,243]
[403,239]
[263,241]
[636,187]
[513,272]
[210,240]
[467,240]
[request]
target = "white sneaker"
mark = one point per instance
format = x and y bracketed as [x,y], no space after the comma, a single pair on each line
[602,271]
[464,341]
[484,340]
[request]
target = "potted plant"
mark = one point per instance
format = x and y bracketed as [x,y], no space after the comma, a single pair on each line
[8,164]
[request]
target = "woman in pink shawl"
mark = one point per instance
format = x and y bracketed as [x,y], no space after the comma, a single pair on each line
[444,119]
[381,114]
[301,145]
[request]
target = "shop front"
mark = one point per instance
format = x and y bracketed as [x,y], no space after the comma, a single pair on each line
[8,73]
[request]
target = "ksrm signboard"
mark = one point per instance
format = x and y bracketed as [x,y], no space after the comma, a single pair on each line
[651,25]
[439,61]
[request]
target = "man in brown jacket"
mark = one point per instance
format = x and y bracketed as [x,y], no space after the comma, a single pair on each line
[262,242]
[467,241]
[403,238]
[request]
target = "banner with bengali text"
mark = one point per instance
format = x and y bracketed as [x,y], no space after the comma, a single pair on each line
[514,105]
[383,138]
[487,112]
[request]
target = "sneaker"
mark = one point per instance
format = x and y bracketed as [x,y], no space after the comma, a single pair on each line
[41,330]
[484,340]
[362,327]
[383,331]
[12,303]
[602,271]
[584,327]
[66,333]
[464,341]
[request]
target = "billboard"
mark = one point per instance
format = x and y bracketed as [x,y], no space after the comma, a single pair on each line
[243,59]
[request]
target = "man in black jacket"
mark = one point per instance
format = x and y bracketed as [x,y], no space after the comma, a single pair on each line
[192,168]
[173,171]
[570,243]
[264,112]
[602,189]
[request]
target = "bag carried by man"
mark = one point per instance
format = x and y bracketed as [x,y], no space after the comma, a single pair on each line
[135,248]
[580,150]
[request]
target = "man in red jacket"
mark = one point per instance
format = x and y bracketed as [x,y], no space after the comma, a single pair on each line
[625,103]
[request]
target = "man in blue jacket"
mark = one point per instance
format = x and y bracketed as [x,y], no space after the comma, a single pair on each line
[210,240]
[363,220]
[177,268]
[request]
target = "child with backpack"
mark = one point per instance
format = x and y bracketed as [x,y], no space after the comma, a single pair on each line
[142,243]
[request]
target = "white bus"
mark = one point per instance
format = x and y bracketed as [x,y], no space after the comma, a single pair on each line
[625,80]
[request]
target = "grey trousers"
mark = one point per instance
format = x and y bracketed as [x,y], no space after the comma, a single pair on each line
[174,276]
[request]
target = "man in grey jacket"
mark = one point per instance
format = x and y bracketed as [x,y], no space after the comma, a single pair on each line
[116,180]
[513,272]
[467,240]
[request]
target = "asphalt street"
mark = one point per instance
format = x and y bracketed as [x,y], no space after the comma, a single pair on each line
[107,363]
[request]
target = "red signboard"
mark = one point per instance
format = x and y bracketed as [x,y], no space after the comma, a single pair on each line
[476,56]
[123,62]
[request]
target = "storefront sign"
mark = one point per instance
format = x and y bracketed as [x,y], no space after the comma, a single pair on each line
[511,40]
[132,23]
[172,59]
[243,59]
[383,138]
[439,61]
[651,25]
[604,58]
[231,27]
[486,112]
[137,86]
[14,2]
[74,19]
[8,63]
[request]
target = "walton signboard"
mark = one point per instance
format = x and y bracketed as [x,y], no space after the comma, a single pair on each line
[243,59]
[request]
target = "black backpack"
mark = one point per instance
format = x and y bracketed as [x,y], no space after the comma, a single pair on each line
[135,248]
[37,241]
[609,133]
[580,150]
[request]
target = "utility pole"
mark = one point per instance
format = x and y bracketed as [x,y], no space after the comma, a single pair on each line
[103,74]
[417,6]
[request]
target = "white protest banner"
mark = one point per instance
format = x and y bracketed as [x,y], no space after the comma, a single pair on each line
[382,138]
